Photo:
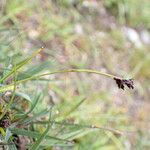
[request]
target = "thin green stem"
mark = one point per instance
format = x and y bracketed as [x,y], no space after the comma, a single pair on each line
[64,71]
[86,126]
[69,70]
[81,70]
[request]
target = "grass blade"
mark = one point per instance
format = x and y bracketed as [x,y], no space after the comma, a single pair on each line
[33,134]
[12,97]
[74,108]
[29,120]
[21,64]
[38,142]
[24,96]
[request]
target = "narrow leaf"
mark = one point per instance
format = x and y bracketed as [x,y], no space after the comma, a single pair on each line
[19,65]
[39,141]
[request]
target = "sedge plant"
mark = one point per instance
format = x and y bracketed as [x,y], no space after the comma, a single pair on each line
[15,124]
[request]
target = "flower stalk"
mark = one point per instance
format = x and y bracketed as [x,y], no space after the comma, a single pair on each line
[70,70]
[119,81]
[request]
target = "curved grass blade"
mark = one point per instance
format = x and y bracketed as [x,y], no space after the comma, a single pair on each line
[24,96]
[21,64]
[74,108]
[23,116]
[12,97]
[41,138]
[35,70]
[34,134]
[31,119]
[115,131]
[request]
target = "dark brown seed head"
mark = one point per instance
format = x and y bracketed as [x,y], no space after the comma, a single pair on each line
[122,82]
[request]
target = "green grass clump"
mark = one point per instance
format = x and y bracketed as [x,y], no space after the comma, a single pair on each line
[16,123]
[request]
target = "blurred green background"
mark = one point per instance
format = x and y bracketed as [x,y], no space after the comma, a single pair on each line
[112,36]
